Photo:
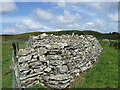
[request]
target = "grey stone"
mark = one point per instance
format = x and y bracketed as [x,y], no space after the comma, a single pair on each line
[63,68]
[54,57]
[52,82]
[60,86]
[42,51]
[21,59]
[62,45]
[43,35]
[59,77]
[57,62]
[42,58]
[24,52]
[48,69]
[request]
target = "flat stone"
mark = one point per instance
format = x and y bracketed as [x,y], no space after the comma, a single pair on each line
[54,57]
[55,46]
[21,59]
[62,86]
[48,46]
[42,58]
[37,70]
[63,68]
[62,45]
[24,52]
[43,35]
[48,69]
[57,62]
[59,77]
[52,82]
[42,51]
[83,69]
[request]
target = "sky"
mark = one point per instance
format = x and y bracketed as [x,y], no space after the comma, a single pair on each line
[23,17]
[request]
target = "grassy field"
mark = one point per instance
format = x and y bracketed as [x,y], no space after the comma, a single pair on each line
[103,75]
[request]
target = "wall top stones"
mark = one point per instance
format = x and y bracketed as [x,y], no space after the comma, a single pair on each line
[54,61]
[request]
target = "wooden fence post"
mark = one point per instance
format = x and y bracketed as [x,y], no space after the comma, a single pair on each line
[16,80]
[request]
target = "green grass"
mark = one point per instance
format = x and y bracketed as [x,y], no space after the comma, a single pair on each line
[104,74]
[7,62]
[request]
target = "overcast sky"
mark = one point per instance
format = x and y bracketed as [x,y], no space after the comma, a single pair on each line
[22,17]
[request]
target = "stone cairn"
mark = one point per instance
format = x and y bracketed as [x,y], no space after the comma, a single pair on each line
[54,61]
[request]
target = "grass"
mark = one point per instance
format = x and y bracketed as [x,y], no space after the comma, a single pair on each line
[7,62]
[103,75]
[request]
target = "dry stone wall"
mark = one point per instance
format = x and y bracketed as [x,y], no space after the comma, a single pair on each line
[54,61]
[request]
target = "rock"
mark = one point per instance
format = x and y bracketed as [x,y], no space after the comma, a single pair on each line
[33,60]
[26,72]
[57,62]
[21,59]
[69,65]
[63,69]
[59,77]
[48,69]
[48,46]
[55,46]
[24,52]
[37,70]
[84,69]
[62,45]
[52,82]
[42,51]
[54,57]
[42,58]
[60,86]
[43,35]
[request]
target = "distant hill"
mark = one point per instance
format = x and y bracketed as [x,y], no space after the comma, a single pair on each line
[98,35]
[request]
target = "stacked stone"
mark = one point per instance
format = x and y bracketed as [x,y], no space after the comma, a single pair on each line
[54,61]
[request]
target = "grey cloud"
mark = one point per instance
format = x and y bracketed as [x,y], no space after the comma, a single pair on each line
[7,7]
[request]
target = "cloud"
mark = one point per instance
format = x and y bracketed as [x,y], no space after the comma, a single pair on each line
[67,15]
[7,7]
[89,23]
[102,8]
[68,18]
[30,24]
[15,19]
[91,8]
[113,17]
[61,4]
[43,15]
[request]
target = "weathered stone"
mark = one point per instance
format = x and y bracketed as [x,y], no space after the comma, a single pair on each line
[21,59]
[42,58]
[23,52]
[42,51]
[48,69]
[59,77]
[37,70]
[63,69]
[59,86]
[52,82]
[43,35]
[54,57]
[57,62]
[62,45]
